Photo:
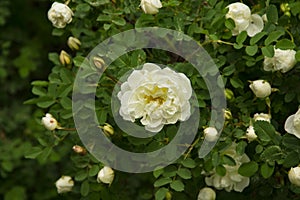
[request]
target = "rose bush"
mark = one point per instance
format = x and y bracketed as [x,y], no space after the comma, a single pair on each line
[257,150]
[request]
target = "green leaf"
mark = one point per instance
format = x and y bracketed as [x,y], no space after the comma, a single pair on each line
[229,23]
[15,193]
[66,103]
[119,21]
[248,169]
[268,51]
[291,159]
[273,36]
[85,188]
[158,172]
[184,173]
[161,193]
[227,160]
[221,170]
[189,163]
[238,46]
[236,82]
[162,181]
[177,185]
[271,154]
[33,152]
[40,83]
[241,37]
[81,175]
[94,170]
[38,90]
[266,170]
[266,132]
[257,37]
[291,142]
[285,44]
[215,159]
[251,50]
[272,14]
[297,56]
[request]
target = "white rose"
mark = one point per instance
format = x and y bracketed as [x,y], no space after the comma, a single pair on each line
[292,124]
[49,122]
[151,6]
[232,179]
[262,117]
[206,194]
[283,61]
[106,175]
[294,175]
[243,20]
[241,15]
[64,184]
[211,134]
[60,15]
[157,96]
[250,134]
[261,88]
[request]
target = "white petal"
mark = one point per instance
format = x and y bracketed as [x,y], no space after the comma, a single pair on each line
[256,25]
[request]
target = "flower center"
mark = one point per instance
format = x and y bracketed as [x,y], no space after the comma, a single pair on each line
[156,95]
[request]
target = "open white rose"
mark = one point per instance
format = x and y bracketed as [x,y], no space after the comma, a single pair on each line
[60,15]
[294,175]
[241,15]
[232,179]
[243,20]
[292,124]
[106,175]
[262,117]
[283,61]
[64,184]
[261,88]
[49,122]
[157,96]
[151,6]
[211,134]
[250,134]
[206,194]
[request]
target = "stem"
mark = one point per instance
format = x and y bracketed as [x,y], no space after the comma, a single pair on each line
[67,2]
[191,148]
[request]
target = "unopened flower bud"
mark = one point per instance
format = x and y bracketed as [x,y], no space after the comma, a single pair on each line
[260,88]
[73,43]
[211,134]
[108,129]
[206,194]
[99,63]
[79,150]
[250,134]
[229,94]
[64,184]
[168,195]
[294,175]
[227,114]
[106,175]
[64,58]
[49,122]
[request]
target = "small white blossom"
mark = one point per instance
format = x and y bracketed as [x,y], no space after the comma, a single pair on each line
[262,117]
[106,175]
[206,194]
[157,96]
[211,134]
[151,6]
[49,122]
[283,61]
[256,25]
[294,176]
[292,124]
[244,20]
[261,88]
[250,134]
[60,15]
[232,179]
[64,184]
